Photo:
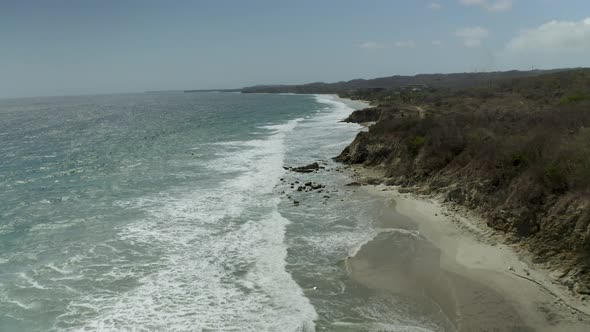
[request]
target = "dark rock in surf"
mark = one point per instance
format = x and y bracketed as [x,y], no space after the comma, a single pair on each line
[353,184]
[307,169]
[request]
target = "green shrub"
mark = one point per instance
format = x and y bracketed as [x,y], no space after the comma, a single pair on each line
[416,143]
[556,177]
[574,98]
[518,160]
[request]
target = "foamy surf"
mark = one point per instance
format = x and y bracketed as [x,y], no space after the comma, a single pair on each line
[211,258]
[174,218]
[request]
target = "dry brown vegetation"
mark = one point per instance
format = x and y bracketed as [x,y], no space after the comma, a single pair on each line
[518,152]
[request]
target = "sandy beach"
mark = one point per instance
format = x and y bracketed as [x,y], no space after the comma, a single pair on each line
[424,249]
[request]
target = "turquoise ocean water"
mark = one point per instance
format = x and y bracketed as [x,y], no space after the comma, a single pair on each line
[167,212]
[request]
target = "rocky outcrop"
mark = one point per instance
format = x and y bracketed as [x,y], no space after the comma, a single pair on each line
[374,114]
[310,186]
[313,167]
[371,114]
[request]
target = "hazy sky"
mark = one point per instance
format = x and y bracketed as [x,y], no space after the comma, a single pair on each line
[85,47]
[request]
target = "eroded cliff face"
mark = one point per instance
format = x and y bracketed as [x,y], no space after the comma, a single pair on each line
[365,115]
[474,163]
[377,113]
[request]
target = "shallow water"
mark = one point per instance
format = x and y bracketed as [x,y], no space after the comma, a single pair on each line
[166,211]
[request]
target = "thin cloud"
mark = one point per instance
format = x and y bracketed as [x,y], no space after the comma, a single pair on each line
[438,43]
[553,36]
[472,36]
[370,45]
[405,44]
[490,5]
[435,6]
[555,43]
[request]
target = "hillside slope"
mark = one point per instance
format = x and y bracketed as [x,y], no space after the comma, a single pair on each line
[518,153]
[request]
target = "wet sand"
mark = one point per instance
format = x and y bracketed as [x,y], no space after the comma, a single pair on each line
[423,252]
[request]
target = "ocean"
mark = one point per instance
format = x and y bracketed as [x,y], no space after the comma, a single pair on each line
[174,212]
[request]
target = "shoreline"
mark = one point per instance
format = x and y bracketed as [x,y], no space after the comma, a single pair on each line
[480,282]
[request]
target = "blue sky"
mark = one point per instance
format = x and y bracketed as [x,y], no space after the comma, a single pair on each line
[86,47]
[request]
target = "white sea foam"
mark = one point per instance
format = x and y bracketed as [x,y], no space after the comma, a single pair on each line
[19,304]
[354,250]
[57,269]
[329,136]
[214,257]
[32,283]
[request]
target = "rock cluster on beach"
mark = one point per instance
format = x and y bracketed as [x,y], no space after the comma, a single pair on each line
[306,186]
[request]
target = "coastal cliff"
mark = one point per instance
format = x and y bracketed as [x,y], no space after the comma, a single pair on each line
[517,153]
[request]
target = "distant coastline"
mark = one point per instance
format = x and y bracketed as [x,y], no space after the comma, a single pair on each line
[452,81]
[214,90]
